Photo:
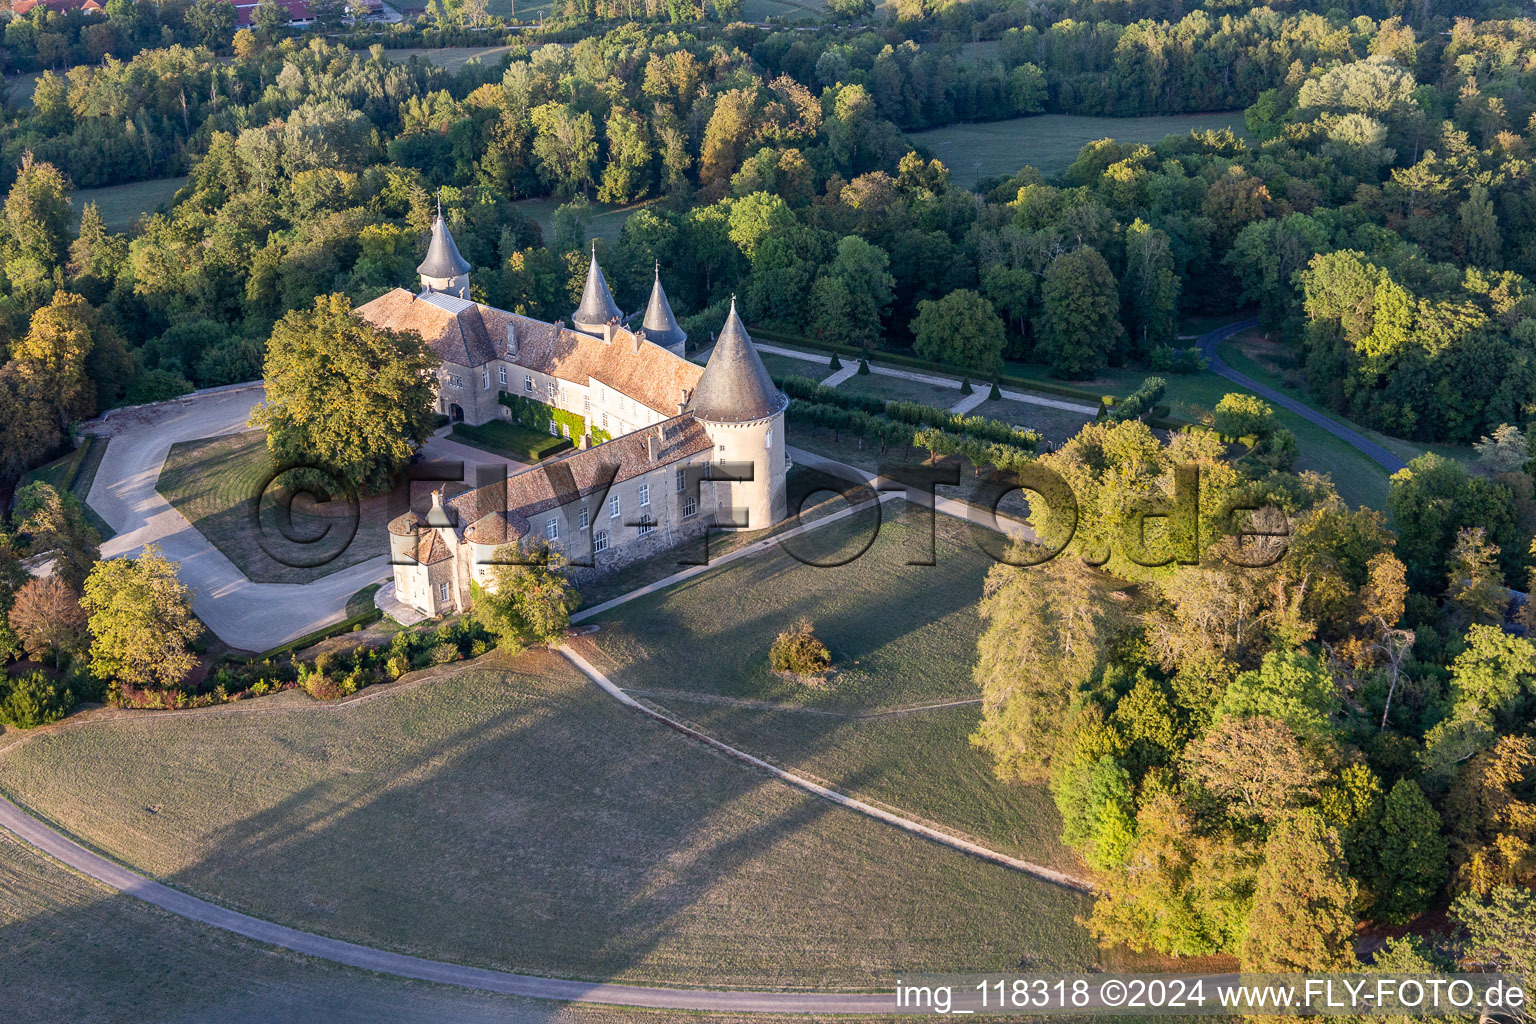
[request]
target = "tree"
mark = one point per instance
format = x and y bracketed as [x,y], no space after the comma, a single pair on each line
[1475,586]
[627,175]
[1080,317]
[960,328]
[1048,632]
[37,218]
[852,293]
[1151,288]
[1303,902]
[1240,414]
[1501,930]
[1257,765]
[565,148]
[1411,853]
[1290,686]
[529,599]
[47,618]
[269,17]
[29,428]
[141,621]
[345,396]
[55,521]
[56,352]
[1505,451]
[213,21]
[31,700]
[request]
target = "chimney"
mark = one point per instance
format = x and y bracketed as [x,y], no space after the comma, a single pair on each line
[437,516]
[511,339]
[638,339]
[653,444]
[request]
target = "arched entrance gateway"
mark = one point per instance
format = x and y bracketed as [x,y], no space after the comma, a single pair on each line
[455,412]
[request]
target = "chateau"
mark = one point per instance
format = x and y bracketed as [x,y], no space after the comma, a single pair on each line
[664,448]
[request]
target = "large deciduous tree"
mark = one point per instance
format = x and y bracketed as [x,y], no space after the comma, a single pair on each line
[1303,903]
[141,621]
[345,396]
[961,328]
[1080,319]
[529,600]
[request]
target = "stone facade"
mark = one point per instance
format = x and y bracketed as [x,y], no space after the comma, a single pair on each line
[672,430]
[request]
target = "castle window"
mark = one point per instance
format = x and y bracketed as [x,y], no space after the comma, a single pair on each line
[551,391]
[647,527]
[586,405]
[583,517]
[613,507]
[552,529]
[528,383]
[485,378]
[600,540]
[565,430]
[768,439]
[554,429]
[442,593]
[501,375]
[690,508]
[680,480]
[605,421]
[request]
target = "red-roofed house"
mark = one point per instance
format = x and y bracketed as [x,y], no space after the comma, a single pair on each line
[20,7]
[299,14]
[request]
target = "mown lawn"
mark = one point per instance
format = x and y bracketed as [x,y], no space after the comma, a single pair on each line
[1055,425]
[605,220]
[75,471]
[121,206]
[901,389]
[902,636]
[130,962]
[512,815]
[789,366]
[1049,142]
[223,484]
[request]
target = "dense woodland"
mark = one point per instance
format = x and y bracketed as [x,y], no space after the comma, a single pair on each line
[1349,730]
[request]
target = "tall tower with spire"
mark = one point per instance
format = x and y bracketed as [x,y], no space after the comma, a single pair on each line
[598,314]
[659,325]
[743,413]
[444,270]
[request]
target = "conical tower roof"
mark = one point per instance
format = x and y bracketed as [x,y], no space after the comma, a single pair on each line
[597,305]
[659,324]
[443,259]
[735,386]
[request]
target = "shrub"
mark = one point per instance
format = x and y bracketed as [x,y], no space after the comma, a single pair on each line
[1238,414]
[1166,359]
[31,700]
[442,653]
[834,363]
[800,651]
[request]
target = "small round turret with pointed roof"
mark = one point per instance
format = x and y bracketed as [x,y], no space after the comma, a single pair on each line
[597,309]
[659,325]
[444,270]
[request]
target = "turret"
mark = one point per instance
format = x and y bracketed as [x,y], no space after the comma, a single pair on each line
[598,314]
[444,270]
[743,413]
[659,325]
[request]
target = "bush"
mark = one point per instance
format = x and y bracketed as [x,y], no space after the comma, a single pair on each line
[1140,402]
[800,651]
[442,654]
[1239,414]
[1165,359]
[31,700]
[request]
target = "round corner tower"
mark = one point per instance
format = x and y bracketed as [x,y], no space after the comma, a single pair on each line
[743,414]
[444,270]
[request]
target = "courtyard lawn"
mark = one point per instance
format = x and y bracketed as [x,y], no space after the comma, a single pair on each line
[900,389]
[217,484]
[789,366]
[1049,142]
[121,206]
[52,917]
[510,441]
[605,220]
[511,815]
[1055,425]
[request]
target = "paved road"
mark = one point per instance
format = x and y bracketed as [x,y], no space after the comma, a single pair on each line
[1370,449]
[252,616]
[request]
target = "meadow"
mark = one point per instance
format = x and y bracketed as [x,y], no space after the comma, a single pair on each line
[1049,142]
[509,814]
[121,206]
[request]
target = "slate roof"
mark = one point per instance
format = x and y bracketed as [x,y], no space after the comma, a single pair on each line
[597,305]
[469,334]
[443,259]
[659,324]
[735,386]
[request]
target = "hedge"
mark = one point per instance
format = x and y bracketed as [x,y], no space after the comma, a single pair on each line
[915,414]
[367,618]
[1027,383]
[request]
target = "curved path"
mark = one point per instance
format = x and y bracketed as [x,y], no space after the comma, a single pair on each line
[1364,445]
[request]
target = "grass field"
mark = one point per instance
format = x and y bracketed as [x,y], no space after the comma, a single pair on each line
[1055,425]
[512,815]
[218,484]
[128,962]
[1049,142]
[122,205]
[606,220]
[788,366]
[791,10]
[900,389]
[902,636]
[451,58]
[510,440]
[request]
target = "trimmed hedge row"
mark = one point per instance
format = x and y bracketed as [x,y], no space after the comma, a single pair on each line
[347,625]
[914,414]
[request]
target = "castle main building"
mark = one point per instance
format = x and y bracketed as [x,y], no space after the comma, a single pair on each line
[655,433]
